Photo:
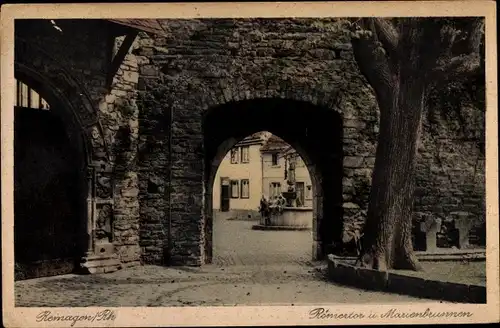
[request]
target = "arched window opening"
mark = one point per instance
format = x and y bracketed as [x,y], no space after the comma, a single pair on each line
[28,98]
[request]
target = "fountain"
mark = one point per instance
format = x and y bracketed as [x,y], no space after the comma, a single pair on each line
[285,214]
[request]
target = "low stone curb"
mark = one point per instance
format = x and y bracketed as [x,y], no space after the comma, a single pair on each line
[401,284]
[281,228]
[243,219]
[470,257]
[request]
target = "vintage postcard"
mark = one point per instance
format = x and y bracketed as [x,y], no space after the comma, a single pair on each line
[328,163]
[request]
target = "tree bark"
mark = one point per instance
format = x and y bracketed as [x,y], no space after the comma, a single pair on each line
[387,239]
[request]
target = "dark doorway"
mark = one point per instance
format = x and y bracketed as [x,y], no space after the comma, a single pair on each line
[48,207]
[225,195]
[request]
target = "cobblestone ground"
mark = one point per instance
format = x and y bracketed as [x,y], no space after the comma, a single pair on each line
[250,268]
[235,243]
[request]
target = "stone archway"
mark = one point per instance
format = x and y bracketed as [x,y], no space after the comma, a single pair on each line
[72,110]
[313,131]
[48,76]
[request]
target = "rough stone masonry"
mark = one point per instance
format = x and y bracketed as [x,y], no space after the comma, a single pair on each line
[149,126]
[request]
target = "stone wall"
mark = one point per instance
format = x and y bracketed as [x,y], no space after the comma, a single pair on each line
[450,175]
[205,63]
[202,64]
[119,112]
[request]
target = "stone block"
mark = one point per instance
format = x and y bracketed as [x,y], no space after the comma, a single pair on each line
[119,93]
[131,76]
[110,99]
[130,60]
[130,192]
[354,124]
[406,285]
[342,273]
[349,206]
[149,70]
[448,291]
[353,162]
[369,161]
[129,253]
[477,294]
[103,106]
[438,290]
[131,264]
[372,279]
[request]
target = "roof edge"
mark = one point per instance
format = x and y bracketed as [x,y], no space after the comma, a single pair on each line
[145,25]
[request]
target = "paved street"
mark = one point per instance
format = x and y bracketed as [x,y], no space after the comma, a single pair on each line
[235,243]
[250,268]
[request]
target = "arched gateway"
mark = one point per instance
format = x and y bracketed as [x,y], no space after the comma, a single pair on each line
[314,131]
[61,163]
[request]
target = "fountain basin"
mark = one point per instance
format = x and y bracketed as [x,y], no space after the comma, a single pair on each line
[292,218]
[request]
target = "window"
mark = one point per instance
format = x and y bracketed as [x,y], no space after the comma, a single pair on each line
[275,159]
[235,190]
[245,154]
[309,192]
[274,189]
[245,188]
[29,98]
[234,156]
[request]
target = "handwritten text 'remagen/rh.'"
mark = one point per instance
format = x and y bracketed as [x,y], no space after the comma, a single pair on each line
[48,316]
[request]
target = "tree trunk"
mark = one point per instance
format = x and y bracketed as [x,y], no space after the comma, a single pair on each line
[387,239]
[397,59]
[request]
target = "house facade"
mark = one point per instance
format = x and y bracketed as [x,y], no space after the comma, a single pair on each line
[275,157]
[256,167]
[238,182]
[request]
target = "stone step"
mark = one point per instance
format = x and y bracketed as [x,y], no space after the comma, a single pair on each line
[103,263]
[101,257]
[106,269]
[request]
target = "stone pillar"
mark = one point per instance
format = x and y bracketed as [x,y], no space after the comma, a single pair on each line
[100,256]
[464,223]
[431,226]
[209,217]
[317,251]
[187,223]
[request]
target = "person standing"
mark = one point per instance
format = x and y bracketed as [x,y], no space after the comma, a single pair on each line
[264,210]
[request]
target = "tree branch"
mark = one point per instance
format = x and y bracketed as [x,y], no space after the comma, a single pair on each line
[457,67]
[371,59]
[387,34]
[460,49]
[475,32]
